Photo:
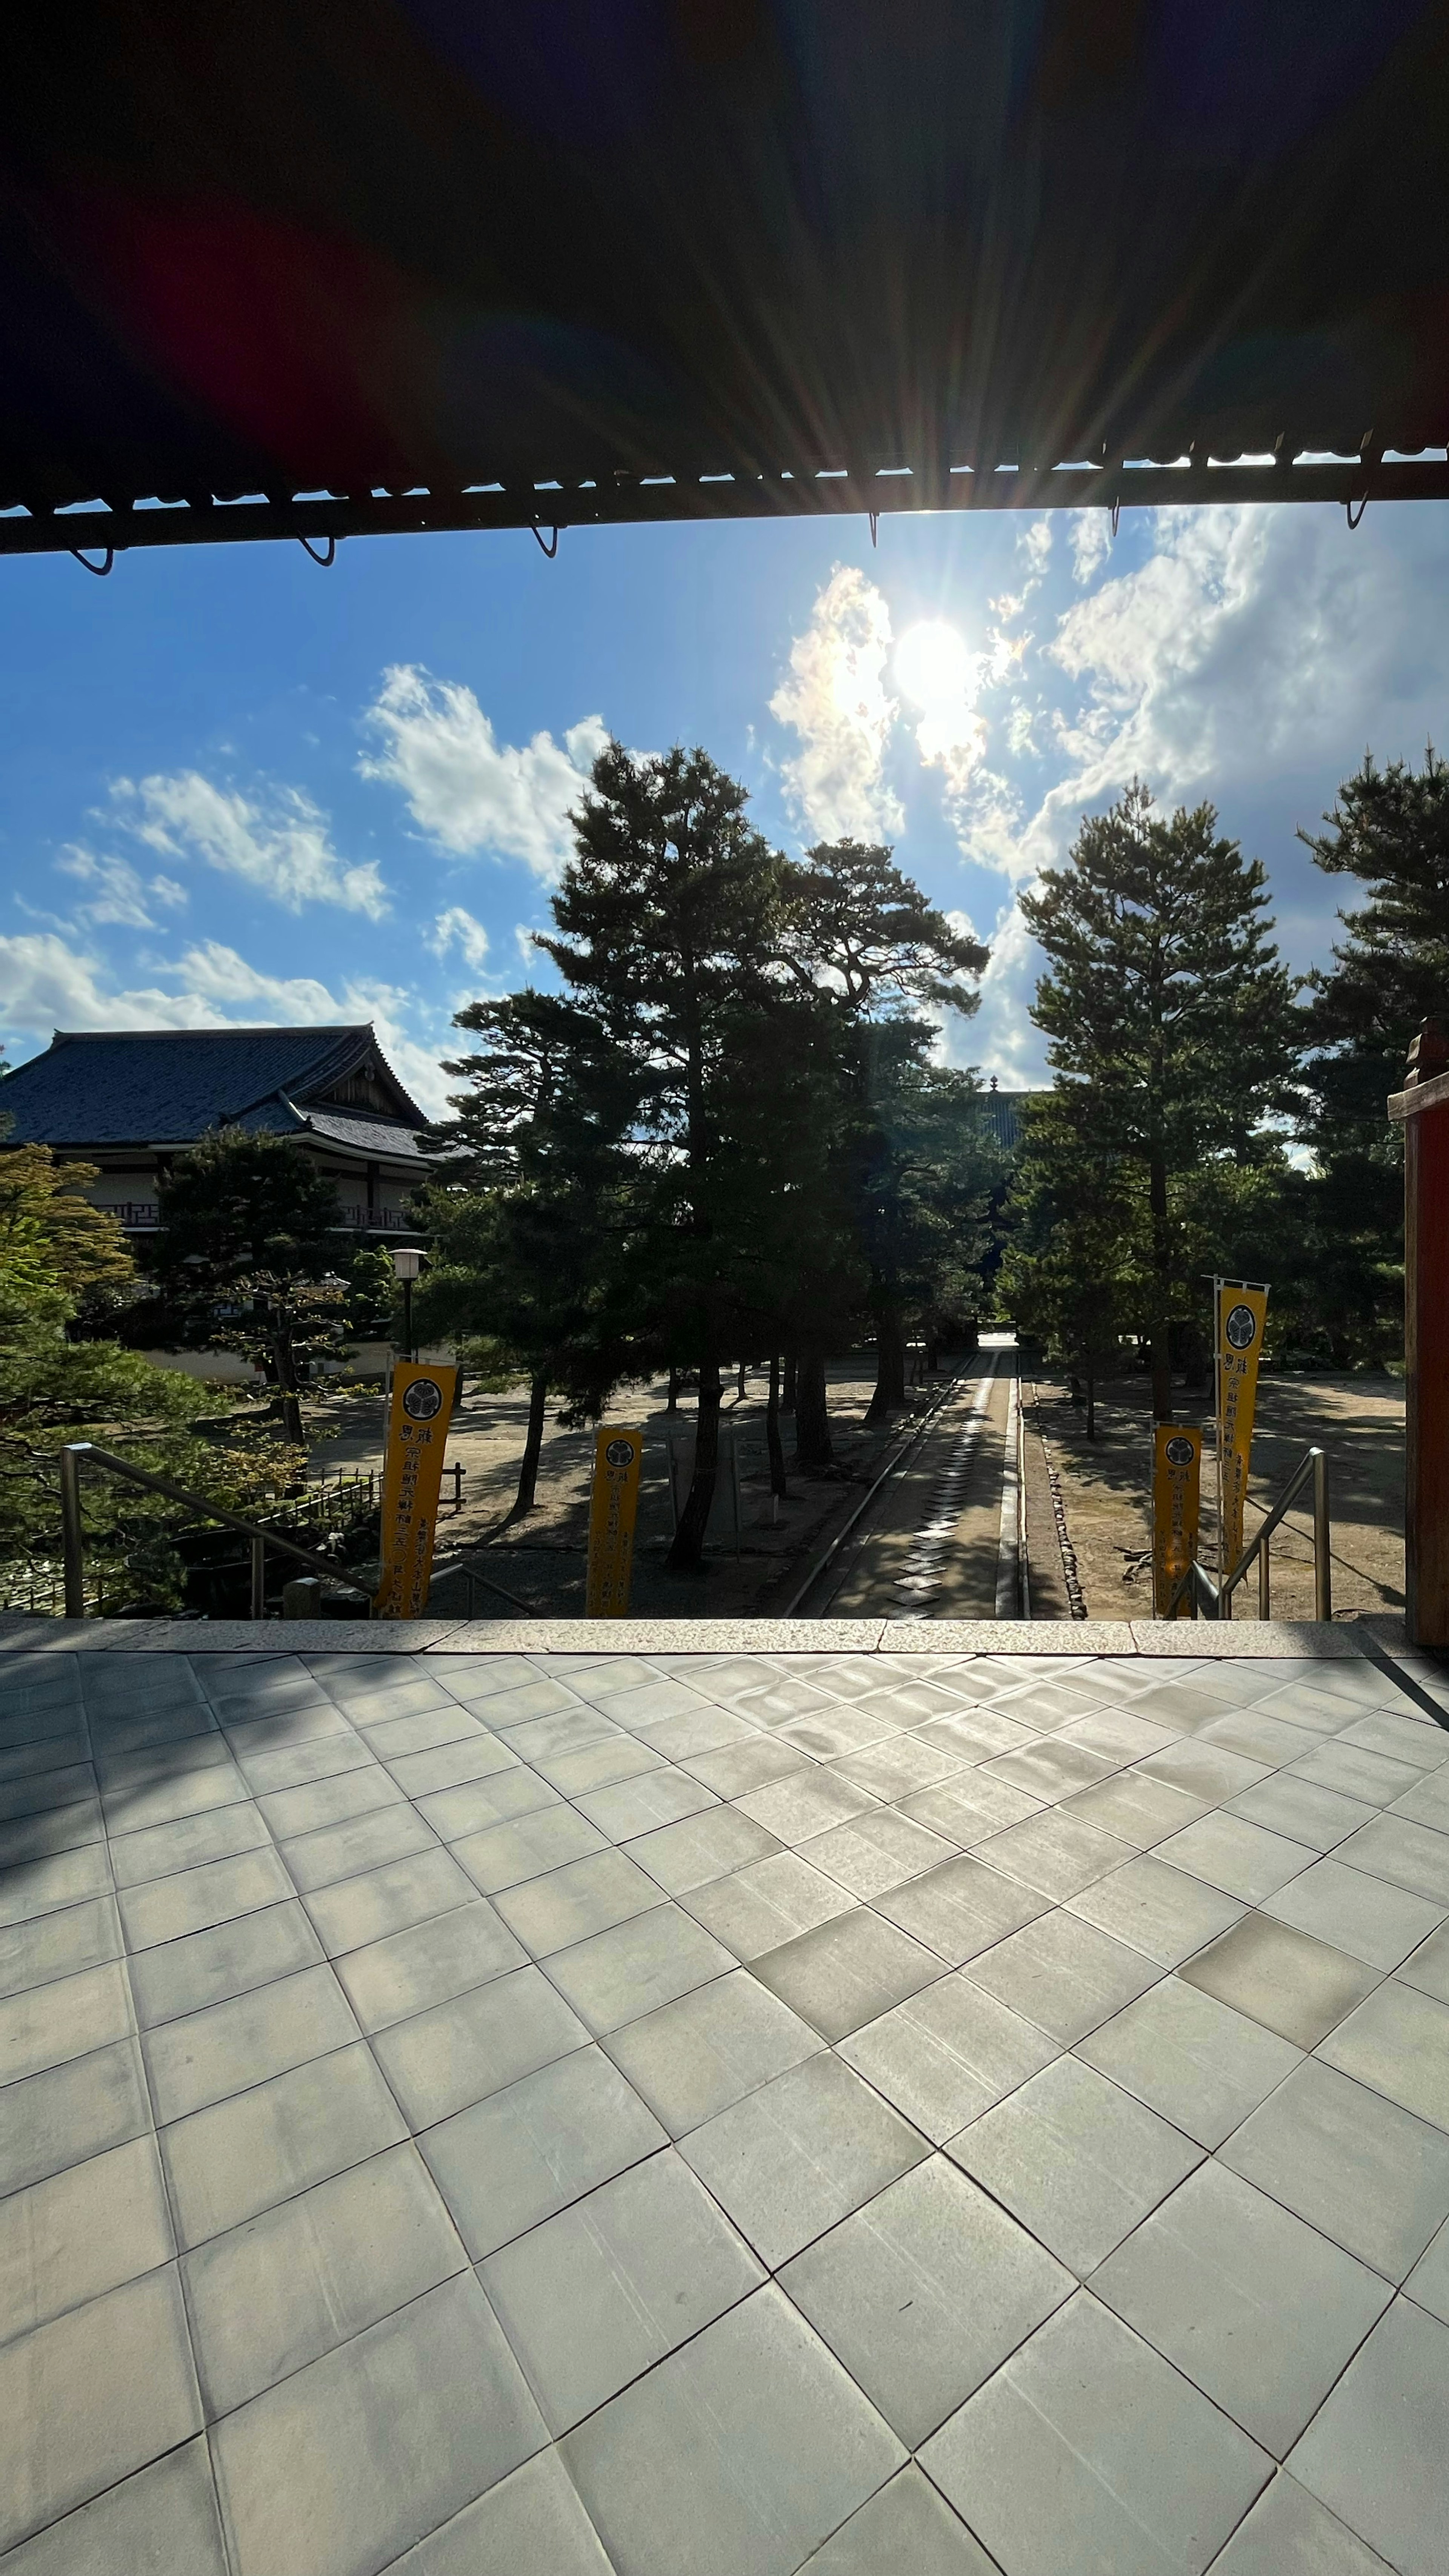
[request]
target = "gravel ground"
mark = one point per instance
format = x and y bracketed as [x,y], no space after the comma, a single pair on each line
[1105,1487]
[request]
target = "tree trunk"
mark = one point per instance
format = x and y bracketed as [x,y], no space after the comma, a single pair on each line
[688,1548]
[773,1442]
[1091,1399]
[812,1419]
[528,1472]
[1162,1268]
[673,1404]
[792,1374]
[890,1363]
[289,1395]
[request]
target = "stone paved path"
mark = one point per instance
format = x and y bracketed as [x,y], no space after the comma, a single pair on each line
[722,2115]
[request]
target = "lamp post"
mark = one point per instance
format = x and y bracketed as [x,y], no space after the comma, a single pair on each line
[407,1262]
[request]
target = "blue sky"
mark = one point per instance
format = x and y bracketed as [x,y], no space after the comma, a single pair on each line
[240,788]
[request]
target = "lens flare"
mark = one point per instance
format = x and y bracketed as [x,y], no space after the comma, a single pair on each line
[933,666]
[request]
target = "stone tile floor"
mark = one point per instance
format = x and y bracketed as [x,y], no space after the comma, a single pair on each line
[729,2113]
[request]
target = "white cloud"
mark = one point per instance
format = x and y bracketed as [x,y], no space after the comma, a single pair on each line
[468,791]
[46,984]
[1001,1038]
[277,841]
[1089,533]
[835,699]
[456,928]
[117,894]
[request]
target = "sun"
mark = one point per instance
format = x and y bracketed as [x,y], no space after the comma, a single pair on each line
[933,666]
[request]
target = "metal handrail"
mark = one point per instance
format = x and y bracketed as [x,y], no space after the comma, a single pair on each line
[1219,1597]
[85,1453]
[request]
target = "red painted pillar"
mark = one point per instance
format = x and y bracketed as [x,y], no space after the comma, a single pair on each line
[1423,1107]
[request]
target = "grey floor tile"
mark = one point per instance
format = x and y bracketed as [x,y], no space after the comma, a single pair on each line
[970,1807]
[1191,2058]
[358,1910]
[632,1807]
[897,1767]
[474,1756]
[975,1734]
[1255,2307]
[700,1731]
[1242,1859]
[658,2468]
[906,2526]
[1134,1809]
[85,2230]
[1408,1855]
[186,1845]
[962,1906]
[1118,1734]
[1206,1771]
[231,1959]
[173,1798]
[596,1766]
[806,1803]
[1427,1968]
[212,2054]
[1050,1769]
[527,1847]
[594,2297]
[289,1766]
[923,2292]
[530,2524]
[335,1801]
[46,2025]
[801,2153]
[32,1793]
[757,1909]
[90,2397]
[278,2292]
[1363,1915]
[1295,1985]
[1408,1738]
[26,1839]
[1288,2533]
[165,1909]
[622,1974]
[1428,2283]
[59,1945]
[162,2518]
[1375,2453]
[525,2153]
[848,1972]
[1321,1818]
[32,1888]
[1057,1853]
[1357,2167]
[1261,1737]
[352,2460]
[696,2056]
[1356,1773]
[227,2163]
[1088,2450]
[397,1739]
[70,2112]
[481,1804]
[946,2054]
[1076,2159]
[459,2052]
[876,1851]
[1398,2044]
[341,1851]
[1154,1908]
[699,1848]
[1063,1974]
[738,1767]
[428,1964]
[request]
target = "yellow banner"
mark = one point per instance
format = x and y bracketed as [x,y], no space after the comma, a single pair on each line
[1176,1489]
[617,1456]
[417,1433]
[1242,1310]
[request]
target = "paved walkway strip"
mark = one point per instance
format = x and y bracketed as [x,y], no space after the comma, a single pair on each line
[778,2101]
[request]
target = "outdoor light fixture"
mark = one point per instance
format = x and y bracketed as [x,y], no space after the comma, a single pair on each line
[407,1262]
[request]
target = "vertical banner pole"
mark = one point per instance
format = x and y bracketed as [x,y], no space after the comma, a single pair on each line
[1176,1492]
[412,1477]
[613,1508]
[1242,1308]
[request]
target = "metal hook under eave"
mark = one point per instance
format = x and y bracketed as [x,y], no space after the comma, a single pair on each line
[1116,514]
[874,518]
[101,569]
[550,551]
[1348,511]
[326,561]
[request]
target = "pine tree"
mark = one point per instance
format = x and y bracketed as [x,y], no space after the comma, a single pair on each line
[250,1238]
[1164,1003]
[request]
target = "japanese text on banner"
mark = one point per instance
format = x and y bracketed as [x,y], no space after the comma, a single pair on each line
[417,1434]
[617,1456]
[1176,1491]
[1241,1312]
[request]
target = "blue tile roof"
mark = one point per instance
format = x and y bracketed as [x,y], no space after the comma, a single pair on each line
[169,1086]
